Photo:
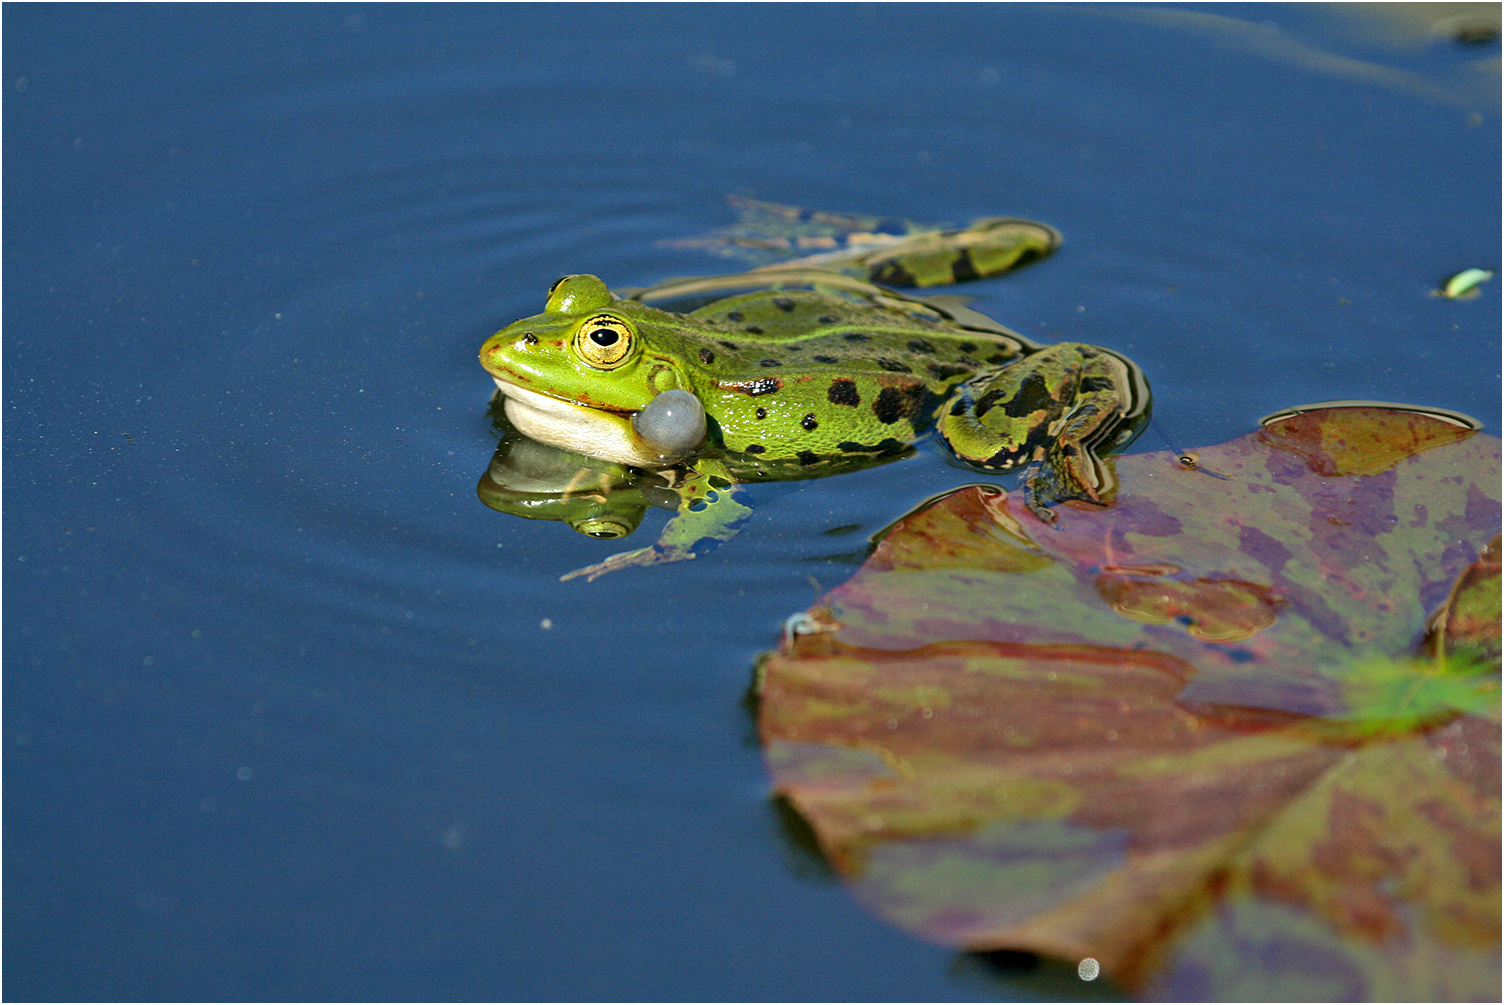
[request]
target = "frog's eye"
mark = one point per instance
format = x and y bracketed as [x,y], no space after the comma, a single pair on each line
[603,342]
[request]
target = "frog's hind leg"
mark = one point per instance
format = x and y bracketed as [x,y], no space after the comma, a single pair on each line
[989,247]
[1057,414]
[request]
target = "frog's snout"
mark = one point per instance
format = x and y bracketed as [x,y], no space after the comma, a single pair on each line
[505,344]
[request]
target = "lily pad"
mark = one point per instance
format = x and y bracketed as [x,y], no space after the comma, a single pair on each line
[1234,736]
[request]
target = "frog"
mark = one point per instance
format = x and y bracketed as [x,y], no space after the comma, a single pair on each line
[811,368]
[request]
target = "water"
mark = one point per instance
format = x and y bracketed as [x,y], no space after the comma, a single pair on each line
[282,716]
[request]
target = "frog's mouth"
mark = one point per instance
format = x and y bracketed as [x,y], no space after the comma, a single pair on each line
[582,429]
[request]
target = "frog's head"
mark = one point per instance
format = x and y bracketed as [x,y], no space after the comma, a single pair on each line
[581,376]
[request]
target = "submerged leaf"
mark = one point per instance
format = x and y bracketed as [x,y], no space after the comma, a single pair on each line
[1213,737]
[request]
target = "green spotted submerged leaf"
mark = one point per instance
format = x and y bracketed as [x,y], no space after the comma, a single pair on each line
[1234,736]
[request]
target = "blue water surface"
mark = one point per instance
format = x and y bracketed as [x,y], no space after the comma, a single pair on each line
[288,714]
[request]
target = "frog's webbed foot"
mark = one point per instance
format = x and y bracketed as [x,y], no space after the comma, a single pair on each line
[1068,471]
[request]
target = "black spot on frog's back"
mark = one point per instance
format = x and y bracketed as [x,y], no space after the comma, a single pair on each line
[889,406]
[784,304]
[843,391]
[895,403]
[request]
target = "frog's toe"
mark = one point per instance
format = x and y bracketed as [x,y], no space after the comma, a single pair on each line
[1040,510]
[1080,474]
[1069,472]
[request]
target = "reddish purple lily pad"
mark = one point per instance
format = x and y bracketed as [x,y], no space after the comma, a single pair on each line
[1236,735]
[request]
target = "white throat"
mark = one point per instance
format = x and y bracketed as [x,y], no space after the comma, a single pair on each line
[577,428]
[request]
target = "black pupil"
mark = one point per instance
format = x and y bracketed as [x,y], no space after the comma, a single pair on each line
[603,337]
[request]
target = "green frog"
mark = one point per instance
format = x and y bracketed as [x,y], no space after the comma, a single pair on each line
[811,368]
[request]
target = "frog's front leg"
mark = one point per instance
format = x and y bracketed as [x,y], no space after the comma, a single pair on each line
[1057,412]
[708,514]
